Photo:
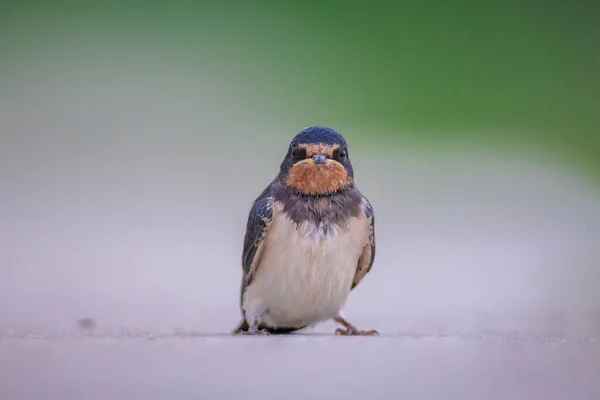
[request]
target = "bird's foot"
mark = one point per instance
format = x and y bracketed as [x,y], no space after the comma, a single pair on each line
[255,332]
[355,332]
[351,330]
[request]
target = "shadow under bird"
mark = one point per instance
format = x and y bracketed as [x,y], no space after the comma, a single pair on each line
[310,239]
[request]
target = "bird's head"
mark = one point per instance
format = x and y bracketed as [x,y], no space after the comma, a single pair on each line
[317,162]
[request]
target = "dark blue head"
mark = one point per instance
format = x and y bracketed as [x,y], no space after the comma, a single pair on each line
[319,135]
[317,162]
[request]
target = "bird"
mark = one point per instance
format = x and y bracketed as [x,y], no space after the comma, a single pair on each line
[309,240]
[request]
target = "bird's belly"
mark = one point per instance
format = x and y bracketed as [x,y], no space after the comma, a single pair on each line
[303,279]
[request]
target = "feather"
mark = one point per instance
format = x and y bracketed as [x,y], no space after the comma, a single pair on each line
[365,262]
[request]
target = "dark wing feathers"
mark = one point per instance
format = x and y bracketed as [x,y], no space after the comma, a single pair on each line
[254,240]
[365,262]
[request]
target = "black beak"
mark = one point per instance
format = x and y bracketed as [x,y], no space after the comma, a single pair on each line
[319,159]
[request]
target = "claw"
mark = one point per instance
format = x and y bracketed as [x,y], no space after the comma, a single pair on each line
[255,332]
[352,332]
[371,332]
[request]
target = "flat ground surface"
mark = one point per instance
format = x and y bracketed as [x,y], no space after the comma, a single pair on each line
[151,366]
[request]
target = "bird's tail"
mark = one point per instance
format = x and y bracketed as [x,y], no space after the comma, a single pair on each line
[242,326]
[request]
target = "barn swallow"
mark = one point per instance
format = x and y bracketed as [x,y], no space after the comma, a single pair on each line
[310,240]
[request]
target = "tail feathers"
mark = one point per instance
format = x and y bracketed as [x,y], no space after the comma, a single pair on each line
[242,327]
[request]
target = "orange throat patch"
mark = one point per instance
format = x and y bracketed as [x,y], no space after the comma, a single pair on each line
[315,179]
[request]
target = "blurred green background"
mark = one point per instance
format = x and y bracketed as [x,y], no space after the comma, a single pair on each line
[523,75]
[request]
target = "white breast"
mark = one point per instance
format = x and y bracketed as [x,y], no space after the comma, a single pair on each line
[305,273]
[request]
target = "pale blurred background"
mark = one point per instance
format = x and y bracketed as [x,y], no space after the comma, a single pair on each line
[135,138]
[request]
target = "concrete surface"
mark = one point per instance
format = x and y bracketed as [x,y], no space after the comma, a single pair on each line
[146,366]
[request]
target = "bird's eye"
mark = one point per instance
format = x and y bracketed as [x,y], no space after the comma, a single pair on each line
[297,153]
[343,154]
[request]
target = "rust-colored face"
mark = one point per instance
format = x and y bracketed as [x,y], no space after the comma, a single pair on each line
[318,169]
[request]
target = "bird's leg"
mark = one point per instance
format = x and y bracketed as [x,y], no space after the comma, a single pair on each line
[253,322]
[351,330]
